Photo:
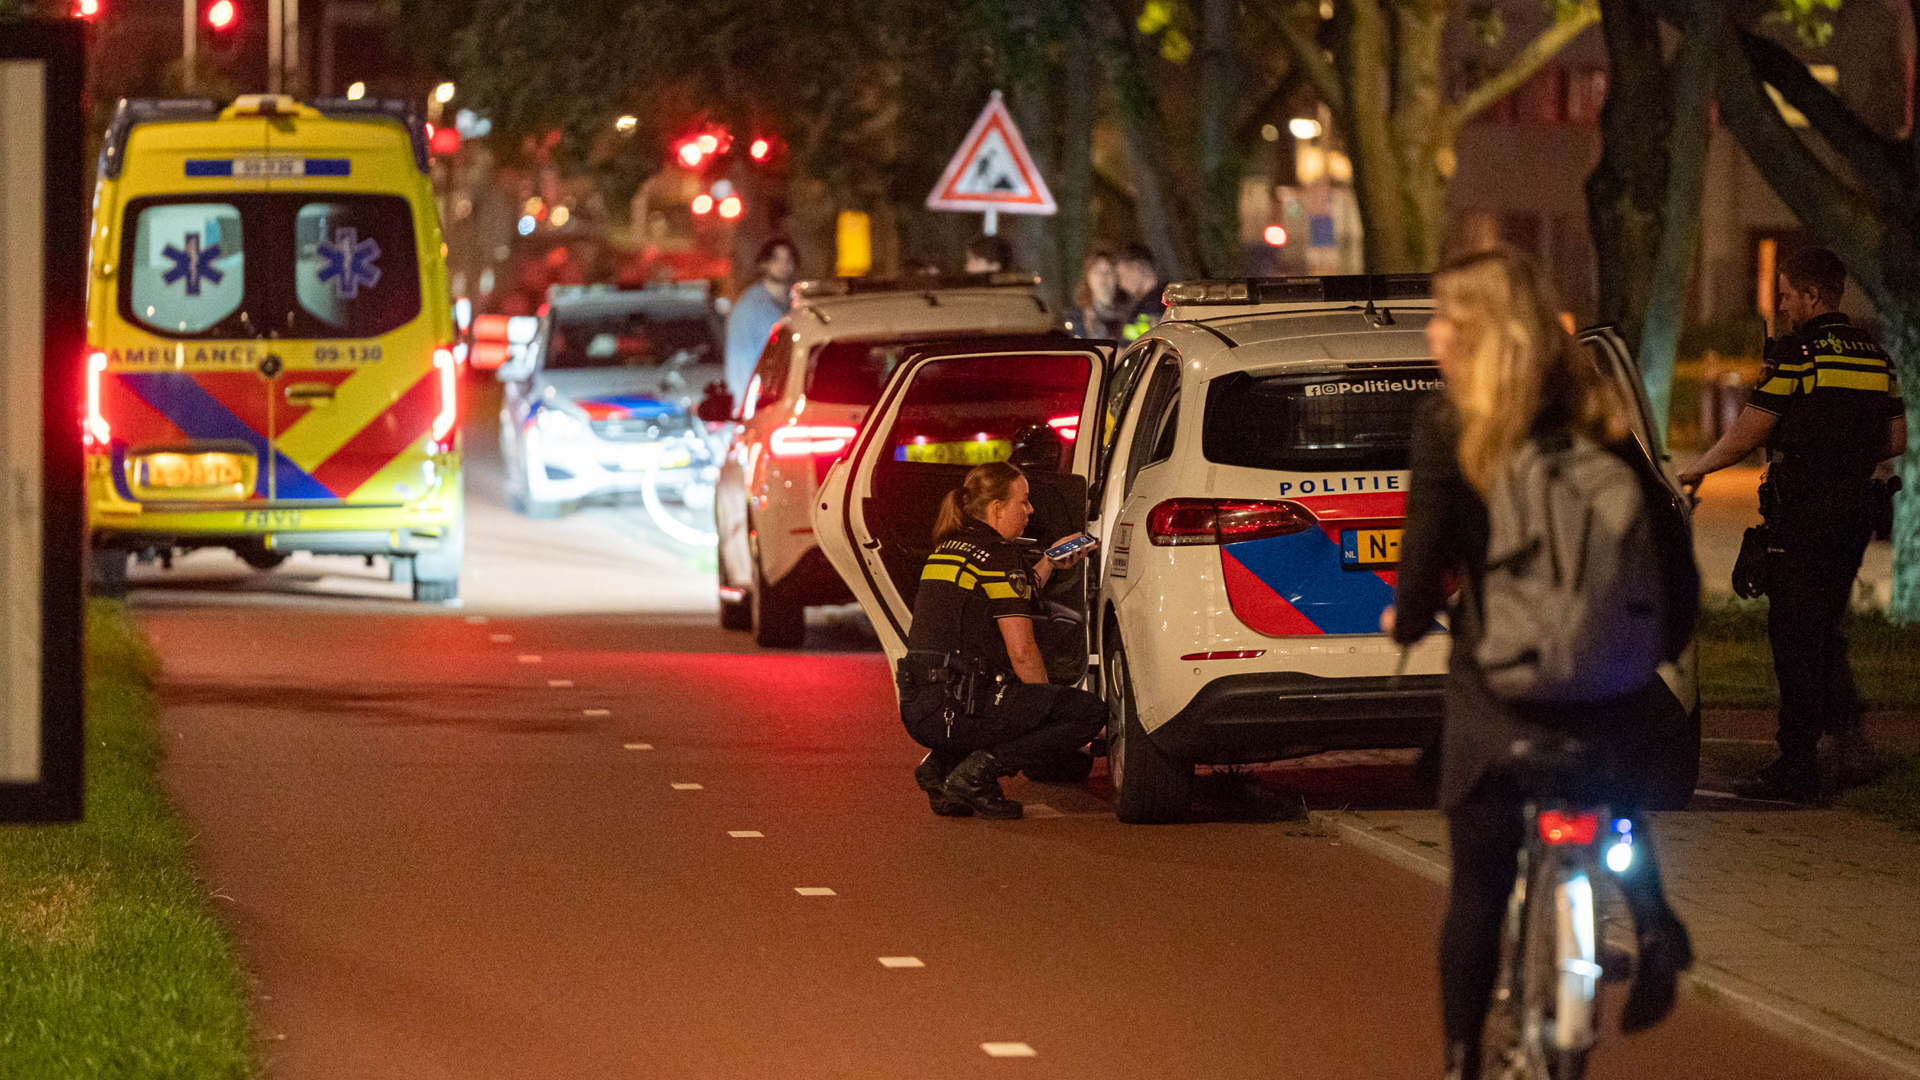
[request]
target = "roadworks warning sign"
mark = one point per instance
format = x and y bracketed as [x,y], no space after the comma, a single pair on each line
[993,170]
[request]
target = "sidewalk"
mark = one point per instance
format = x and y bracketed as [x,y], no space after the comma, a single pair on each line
[1729,503]
[1807,922]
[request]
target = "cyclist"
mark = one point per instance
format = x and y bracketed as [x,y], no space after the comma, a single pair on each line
[1514,373]
[973,685]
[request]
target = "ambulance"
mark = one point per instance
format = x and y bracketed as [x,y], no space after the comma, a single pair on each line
[270,365]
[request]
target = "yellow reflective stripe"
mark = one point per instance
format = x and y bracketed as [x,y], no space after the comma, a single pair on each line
[939,573]
[1000,591]
[1795,367]
[1779,387]
[1841,378]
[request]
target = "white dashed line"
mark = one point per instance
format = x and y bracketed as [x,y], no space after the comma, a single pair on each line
[746,834]
[815,890]
[500,639]
[637,746]
[596,712]
[901,962]
[530,658]
[560,684]
[688,787]
[1009,1050]
[476,620]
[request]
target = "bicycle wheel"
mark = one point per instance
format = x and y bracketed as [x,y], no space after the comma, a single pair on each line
[1505,1038]
[1563,966]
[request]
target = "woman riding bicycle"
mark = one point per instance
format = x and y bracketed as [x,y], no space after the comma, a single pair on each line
[1513,374]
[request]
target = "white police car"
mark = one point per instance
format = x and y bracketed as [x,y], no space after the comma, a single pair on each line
[1248,488]
[600,400]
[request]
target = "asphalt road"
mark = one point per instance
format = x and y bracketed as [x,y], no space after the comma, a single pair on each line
[572,829]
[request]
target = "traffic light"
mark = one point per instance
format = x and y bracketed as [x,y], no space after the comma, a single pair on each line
[222,20]
[87,10]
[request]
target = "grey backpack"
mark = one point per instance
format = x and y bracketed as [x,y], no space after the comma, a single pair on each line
[1572,602]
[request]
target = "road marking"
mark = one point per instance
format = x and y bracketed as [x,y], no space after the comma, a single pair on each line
[1009,1050]
[688,787]
[1740,742]
[814,890]
[501,639]
[637,745]
[476,620]
[596,712]
[1042,810]
[530,658]
[746,834]
[560,684]
[901,962]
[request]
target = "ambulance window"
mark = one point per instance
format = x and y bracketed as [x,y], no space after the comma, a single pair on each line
[969,410]
[186,272]
[354,265]
[1354,420]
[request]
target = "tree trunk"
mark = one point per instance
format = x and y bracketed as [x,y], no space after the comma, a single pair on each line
[1626,193]
[1220,154]
[1362,60]
[1141,138]
[1073,170]
[1686,173]
[1419,128]
[1901,318]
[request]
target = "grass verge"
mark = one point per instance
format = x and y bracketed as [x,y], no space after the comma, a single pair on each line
[1736,666]
[111,962]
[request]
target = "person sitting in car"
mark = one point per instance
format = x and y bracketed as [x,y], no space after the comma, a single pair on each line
[973,685]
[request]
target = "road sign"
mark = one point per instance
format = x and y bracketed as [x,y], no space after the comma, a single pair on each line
[43,358]
[993,173]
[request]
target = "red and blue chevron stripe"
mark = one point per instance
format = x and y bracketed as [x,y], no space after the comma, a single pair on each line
[1296,585]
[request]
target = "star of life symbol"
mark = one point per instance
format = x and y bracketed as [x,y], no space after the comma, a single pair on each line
[194,264]
[349,262]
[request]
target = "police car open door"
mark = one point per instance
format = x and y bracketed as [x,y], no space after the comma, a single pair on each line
[1034,401]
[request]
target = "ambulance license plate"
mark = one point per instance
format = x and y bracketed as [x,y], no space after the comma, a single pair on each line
[1371,548]
[191,470]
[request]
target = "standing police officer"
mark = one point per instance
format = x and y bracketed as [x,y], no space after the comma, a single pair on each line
[1828,410]
[973,685]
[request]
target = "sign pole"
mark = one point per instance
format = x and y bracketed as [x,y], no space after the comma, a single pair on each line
[992,173]
[991,226]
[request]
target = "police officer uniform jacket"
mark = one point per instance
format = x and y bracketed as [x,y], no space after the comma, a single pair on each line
[1835,392]
[973,579]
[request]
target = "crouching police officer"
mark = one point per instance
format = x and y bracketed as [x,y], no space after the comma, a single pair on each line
[973,685]
[1828,410]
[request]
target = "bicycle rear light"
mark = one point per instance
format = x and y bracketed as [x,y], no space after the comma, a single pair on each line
[1564,827]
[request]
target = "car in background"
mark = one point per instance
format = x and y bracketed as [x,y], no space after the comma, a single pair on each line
[823,367]
[1248,488]
[601,400]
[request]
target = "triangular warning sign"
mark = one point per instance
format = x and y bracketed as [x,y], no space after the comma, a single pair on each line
[993,170]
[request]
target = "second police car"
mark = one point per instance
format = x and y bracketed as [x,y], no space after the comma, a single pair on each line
[1244,465]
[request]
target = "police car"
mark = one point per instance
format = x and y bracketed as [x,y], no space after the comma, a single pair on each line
[1244,465]
[821,371]
[600,400]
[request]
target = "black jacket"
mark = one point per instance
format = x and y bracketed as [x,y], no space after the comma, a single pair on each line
[1446,530]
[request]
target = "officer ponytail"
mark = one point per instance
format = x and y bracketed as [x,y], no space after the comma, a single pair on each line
[985,485]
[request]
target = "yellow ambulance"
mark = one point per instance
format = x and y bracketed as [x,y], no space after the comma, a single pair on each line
[270,365]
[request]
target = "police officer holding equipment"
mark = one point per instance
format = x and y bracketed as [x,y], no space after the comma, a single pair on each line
[973,685]
[1828,410]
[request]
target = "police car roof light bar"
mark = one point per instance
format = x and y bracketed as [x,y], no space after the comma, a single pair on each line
[1326,289]
[856,286]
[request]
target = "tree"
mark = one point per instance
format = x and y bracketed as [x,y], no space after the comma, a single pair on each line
[1855,189]
[1385,88]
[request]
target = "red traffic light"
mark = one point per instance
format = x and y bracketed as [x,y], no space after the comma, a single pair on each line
[759,149]
[730,207]
[86,10]
[221,14]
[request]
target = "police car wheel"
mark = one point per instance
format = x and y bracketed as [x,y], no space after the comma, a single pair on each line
[778,622]
[107,573]
[1149,787]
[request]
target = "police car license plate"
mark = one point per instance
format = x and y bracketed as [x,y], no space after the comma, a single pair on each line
[1370,548]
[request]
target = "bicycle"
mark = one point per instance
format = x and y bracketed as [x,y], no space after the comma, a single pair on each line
[1543,1010]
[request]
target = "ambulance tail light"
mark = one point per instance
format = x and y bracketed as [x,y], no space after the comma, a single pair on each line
[447,420]
[95,432]
[1180,522]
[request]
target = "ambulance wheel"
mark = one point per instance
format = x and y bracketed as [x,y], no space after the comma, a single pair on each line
[436,573]
[107,573]
[778,622]
[1149,788]
[734,614]
[260,558]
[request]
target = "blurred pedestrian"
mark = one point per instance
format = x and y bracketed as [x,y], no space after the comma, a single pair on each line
[1516,382]
[973,685]
[989,255]
[757,309]
[1828,410]
[1100,308]
[1140,279]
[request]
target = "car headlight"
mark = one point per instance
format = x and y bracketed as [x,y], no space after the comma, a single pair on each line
[560,425]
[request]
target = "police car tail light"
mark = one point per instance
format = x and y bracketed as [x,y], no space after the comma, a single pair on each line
[1178,522]
[811,440]
[95,431]
[447,371]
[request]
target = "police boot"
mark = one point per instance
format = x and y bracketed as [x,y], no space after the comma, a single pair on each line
[1665,952]
[930,774]
[976,783]
[1782,781]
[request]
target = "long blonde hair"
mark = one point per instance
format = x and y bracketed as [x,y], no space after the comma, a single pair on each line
[985,485]
[1518,363]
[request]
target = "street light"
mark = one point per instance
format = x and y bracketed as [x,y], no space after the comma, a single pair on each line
[1304,127]
[626,124]
[356,91]
[443,93]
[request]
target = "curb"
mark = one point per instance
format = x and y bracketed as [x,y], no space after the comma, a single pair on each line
[1781,1015]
